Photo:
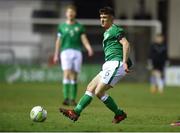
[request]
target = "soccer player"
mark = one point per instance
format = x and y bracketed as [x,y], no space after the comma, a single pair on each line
[157,61]
[116,66]
[71,35]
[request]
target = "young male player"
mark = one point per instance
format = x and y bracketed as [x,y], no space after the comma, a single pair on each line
[70,35]
[116,49]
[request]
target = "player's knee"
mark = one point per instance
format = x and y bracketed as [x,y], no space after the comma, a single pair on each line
[69,74]
[72,77]
[90,88]
[99,94]
[65,76]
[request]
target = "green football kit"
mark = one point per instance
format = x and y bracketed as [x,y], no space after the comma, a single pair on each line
[112,70]
[71,35]
[71,56]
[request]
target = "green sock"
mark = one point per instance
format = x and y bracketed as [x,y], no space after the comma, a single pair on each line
[109,102]
[73,91]
[84,102]
[66,88]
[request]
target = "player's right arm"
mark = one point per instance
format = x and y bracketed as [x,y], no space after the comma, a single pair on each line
[56,50]
[57,44]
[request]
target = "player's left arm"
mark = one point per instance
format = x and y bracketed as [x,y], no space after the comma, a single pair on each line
[126,50]
[86,44]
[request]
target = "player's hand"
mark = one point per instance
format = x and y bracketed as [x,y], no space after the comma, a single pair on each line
[126,67]
[90,52]
[55,59]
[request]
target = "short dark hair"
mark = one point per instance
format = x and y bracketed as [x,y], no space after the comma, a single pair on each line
[106,10]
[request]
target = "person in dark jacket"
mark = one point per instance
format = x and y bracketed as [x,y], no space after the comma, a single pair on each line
[157,61]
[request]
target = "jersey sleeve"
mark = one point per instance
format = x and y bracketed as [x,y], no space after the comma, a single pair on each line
[120,33]
[59,33]
[82,31]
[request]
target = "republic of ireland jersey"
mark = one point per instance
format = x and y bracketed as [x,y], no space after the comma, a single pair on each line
[70,35]
[113,49]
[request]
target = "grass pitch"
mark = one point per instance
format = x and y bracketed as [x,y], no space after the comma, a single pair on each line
[146,112]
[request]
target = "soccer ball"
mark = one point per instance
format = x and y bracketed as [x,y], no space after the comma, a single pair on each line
[38,114]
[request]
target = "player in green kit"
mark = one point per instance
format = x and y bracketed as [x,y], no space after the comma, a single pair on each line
[69,38]
[116,66]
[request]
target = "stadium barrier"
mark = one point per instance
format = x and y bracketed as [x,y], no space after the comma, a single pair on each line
[32,73]
[172,76]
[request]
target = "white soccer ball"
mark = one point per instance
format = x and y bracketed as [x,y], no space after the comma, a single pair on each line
[38,114]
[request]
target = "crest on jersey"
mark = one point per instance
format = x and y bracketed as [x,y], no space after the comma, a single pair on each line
[66,29]
[76,29]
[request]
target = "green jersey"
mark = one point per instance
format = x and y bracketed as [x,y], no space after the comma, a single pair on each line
[113,49]
[71,35]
